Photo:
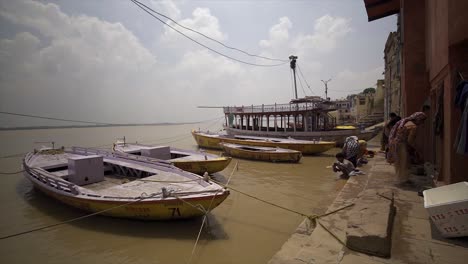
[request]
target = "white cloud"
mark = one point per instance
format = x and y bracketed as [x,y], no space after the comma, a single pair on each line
[202,21]
[349,82]
[278,35]
[166,7]
[328,31]
[77,65]
[83,67]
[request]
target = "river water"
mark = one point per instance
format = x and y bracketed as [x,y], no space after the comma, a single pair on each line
[240,230]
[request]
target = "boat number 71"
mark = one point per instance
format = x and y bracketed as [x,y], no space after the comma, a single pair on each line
[175,211]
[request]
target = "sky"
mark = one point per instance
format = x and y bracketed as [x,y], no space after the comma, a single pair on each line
[111,62]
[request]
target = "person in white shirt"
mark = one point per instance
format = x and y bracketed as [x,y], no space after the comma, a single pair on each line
[343,165]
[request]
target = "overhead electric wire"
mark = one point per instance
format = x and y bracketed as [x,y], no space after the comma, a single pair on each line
[292,81]
[56,119]
[89,122]
[305,80]
[171,139]
[203,45]
[201,34]
[345,90]
[300,82]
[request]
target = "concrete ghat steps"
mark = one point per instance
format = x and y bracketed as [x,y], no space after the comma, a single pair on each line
[370,223]
[319,246]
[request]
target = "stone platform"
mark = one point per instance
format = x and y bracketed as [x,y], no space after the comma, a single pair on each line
[370,226]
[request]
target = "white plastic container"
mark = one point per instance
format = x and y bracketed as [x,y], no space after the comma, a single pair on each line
[448,208]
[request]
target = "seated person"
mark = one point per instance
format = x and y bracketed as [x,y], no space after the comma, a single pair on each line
[343,165]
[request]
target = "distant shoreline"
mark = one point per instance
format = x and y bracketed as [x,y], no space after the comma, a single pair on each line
[91,126]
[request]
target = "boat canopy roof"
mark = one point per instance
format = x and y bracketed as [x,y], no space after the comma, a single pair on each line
[306,106]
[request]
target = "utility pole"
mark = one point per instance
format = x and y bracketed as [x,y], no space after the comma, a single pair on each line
[292,63]
[326,88]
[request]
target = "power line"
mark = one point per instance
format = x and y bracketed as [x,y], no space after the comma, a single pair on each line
[88,122]
[300,82]
[305,80]
[292,81]
[199,33]
[56,119]
[215,51]
[172,138]
[346,90]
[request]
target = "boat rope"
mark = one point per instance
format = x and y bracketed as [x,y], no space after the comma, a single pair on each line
[236,168]
[142,197]
[201,227]
[11,173]
[332,234]
[310,217]
[200,179]
[205,211]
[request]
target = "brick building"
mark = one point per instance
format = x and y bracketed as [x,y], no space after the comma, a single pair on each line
[433,41]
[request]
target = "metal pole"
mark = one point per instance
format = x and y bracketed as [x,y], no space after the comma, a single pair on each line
[326,88]
[293,67]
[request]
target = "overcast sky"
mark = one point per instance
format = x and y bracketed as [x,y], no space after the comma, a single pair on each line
[109,61]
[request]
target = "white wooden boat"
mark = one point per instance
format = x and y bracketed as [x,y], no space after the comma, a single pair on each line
[121,185]
[261,153]
[189,160]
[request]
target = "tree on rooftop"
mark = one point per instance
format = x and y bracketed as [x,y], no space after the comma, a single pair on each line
[369,90]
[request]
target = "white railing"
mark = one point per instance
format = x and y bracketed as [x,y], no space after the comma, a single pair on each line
[307,106]
[52,181]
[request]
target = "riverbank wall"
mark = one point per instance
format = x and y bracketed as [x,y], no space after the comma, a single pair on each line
[385,223]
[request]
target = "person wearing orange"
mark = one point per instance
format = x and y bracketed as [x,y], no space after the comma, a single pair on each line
[402,142]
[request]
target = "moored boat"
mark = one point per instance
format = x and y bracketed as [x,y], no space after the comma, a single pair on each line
[189,160]
[261,153]
[121,185]
[307,147]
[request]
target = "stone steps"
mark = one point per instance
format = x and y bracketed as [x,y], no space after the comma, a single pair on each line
[365,227]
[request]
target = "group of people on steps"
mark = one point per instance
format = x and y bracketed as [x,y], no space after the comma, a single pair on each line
[398,142]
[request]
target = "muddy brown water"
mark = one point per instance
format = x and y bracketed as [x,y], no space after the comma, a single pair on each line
[240,230]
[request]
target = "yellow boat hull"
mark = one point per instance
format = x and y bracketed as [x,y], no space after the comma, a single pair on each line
[270,156]
[168,209]
[306,148]
[202,166]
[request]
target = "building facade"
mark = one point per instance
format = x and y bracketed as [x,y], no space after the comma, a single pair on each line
[433,39]
[343,112]
[392,57]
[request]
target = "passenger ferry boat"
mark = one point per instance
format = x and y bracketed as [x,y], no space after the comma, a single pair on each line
[302,118]
[306,119]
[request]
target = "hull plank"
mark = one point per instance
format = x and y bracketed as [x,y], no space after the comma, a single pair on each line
[213,141]
[261,153]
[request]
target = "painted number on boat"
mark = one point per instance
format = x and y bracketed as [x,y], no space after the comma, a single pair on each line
[175,211]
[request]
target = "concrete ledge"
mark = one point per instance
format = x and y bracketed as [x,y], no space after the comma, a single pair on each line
[370,223]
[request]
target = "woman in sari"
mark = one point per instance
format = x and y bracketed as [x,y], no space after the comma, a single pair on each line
[402,142]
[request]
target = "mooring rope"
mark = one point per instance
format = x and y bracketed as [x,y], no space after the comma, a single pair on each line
[142,197]
[207,211]
[310,217]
